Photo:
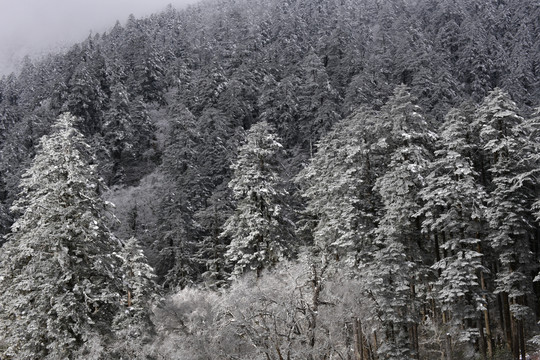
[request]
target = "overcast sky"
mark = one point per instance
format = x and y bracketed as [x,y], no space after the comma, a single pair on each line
[37,26]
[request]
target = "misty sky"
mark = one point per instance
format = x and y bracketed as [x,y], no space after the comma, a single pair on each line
[36,26]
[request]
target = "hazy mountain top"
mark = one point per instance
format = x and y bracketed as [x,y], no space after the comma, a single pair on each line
[35,27]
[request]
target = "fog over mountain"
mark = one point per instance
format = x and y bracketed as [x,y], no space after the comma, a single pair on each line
[33,27]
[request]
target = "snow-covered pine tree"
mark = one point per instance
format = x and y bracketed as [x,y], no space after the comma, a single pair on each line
[278,104]
[185,165]
[85,98]
[181,192]
[337,184]
[398,268]
[260,231]
[133,327]
[60,269]
[317,101]
[532,127]
[212,247]
[506,150]
[118,133]
[453,212]
[150,77]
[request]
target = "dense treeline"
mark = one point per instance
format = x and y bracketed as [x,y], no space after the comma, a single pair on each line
[310,179]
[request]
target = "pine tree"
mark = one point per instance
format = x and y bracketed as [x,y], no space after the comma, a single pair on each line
[337,184]
[118,133]
[532,126]
[454,215]
[212,247]
[133,327]
[260,231]
[85,98]
[150,77]
[239,98]
[60,267]
[182,193]
[278,104]
[398,267]
[474,65]
[317,102]
[510,200]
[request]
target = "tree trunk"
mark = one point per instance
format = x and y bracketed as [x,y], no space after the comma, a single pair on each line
[449,355]
[482,339]
[350,336]
[375,345]
[316,282]
[507,321]
[522,339]
[358,340]
[416,344]
[437,251]
[414,326]
[278,351]
[489,339]
[518,333]
[515,337]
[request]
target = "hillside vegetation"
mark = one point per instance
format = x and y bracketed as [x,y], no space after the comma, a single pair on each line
[308,179]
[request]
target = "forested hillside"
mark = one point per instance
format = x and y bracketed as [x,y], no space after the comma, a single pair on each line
[308,179]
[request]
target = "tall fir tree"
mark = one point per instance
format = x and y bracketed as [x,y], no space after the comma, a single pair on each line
[398,267]
[60,269]
[454,215]
[341,206]
[133,327]
[260,230]
[506,150]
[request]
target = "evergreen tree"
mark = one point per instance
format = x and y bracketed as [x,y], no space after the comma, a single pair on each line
[195,161]
[183,192]
[317,102]
[85,98]
[150,77]
[239,99]
[454,214]
[398,267]
[279,106]
[338,185]
[474,66]
[133,327]
[532,126]
[260,230]
[520,79]
[212,247]
[118,133]
[510,200]
[60,269]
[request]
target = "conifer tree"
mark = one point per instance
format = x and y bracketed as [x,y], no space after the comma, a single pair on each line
[397,266]
[278,104]
[532,127]
[118,132]
[454,215]
[182,193]
[509,209]
[260,231]
[212,246]
[60,269]
[132,326]
[337,184]
[317,102]
[85,98]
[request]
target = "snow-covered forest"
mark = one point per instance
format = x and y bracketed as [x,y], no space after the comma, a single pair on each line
[276,180]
